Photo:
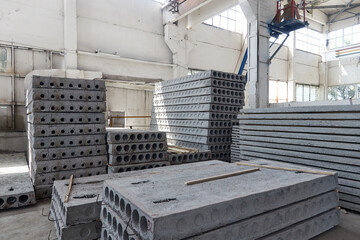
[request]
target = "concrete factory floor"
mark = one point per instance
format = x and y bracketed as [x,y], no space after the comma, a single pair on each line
[29,224]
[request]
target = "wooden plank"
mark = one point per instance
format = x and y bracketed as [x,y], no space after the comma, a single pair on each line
[208,179]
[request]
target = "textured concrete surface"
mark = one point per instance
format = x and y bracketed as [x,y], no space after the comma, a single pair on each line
[30,225]
[159,207]
[16,188]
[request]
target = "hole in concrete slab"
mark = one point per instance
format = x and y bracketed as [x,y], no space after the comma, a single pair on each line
[117,201]
[1,202]
[114,225]
[141,157]
[133,147]
[143,224]
[117,137]
[153,135]
[122,205]
[132,136]
[109,218]
[120,230]
[135,217]
[106,192]
[11,200]
[146,136]
[23,198]
[139,136]
[86,196]
[128,210]
[119,159]
[126,148]
[111,196]
[126,159]
[118,148]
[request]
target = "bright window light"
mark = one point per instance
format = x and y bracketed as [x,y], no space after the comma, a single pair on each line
[309,40]
[230,20]
[344,37]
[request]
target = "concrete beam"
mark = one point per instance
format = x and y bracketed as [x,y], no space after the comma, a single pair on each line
[70,34]
[207,11]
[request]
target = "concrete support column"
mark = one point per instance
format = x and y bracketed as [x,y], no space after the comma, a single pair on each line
[258,13]
[70,34]
[177,39]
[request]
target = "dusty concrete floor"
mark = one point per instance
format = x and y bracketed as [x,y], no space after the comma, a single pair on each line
[29,224]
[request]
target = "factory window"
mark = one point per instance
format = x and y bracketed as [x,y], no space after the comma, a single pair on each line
[344,37]
[343,92]
[306,93]
[194,71]
[278,91]
[229,20]
[309,40]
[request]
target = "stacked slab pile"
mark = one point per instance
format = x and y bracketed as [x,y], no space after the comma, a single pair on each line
[79,218]
[179,155]
[16,186]
[131,150]
[198,111]
[66,130]
[257,204]
[326,137]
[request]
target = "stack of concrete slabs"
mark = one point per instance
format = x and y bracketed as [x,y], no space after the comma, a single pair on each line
[66,130]
[79,218]
[249,202]
[325,137]
[198,111]
[131,150]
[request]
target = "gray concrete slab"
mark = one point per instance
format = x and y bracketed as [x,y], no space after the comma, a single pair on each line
[65,95]
[30,224]
[203,75]
[49,178]
[199,84]
[67,83]
[65,129]
[181,158]
[311,123]
[86,195]
[199,139]
[66,118]
[132,136]
[337,131]
[69,164]
[153,215]
[191,123]
[194,131]
[138,147]
[273,221]
[65,106]
[137,166]
[198,108]
[86,231]
[325,161]
[66,141]
[196,115]
[16,186]
[296,135]
[309,229]
[126,159]
[69,152]
[216,91]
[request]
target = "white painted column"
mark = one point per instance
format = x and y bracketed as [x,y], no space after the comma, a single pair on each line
[258,13]
[70,34]
[177,39]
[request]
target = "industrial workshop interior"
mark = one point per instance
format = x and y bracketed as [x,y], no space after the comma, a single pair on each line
[179,119]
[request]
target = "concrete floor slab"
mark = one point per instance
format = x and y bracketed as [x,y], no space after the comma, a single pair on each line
[16,187]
